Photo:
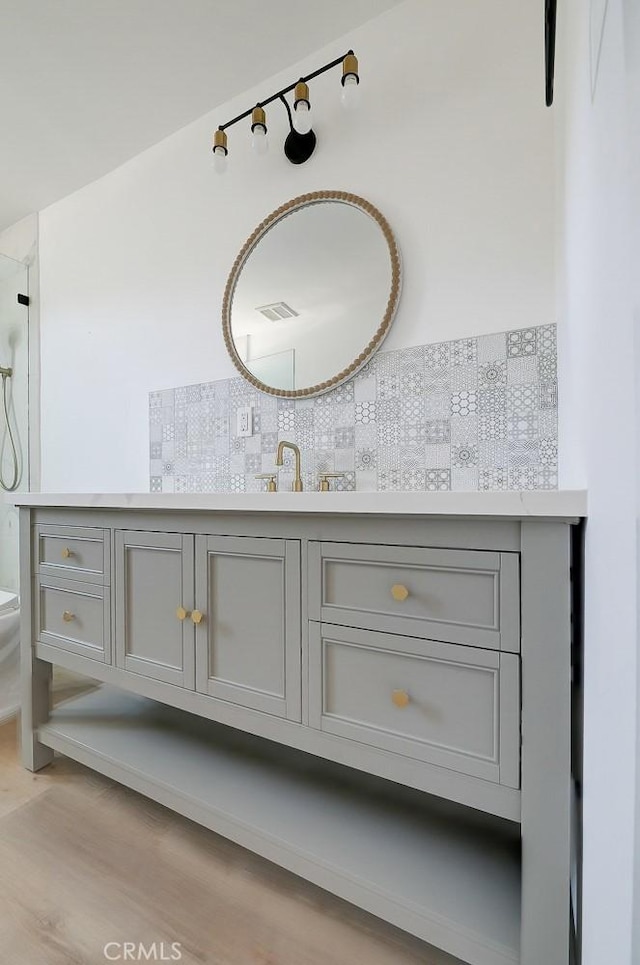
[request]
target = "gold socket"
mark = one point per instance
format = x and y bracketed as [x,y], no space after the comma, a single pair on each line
[349,66]
[220,140]
[258,116]
[301,93]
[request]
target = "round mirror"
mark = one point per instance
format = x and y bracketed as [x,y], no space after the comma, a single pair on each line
[312,294]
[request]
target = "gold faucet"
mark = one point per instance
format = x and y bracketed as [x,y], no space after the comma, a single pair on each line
[297,482]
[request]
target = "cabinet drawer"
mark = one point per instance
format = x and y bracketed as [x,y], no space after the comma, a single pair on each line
[456,707]
[459,596]
[74,617]
[75,552]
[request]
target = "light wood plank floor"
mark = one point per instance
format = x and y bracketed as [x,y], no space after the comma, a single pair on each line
[84,861]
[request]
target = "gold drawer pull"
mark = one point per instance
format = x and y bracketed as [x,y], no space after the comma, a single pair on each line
[197,617]
[181,613]
[399,592]
[401,698]
[66,553]
[68,616]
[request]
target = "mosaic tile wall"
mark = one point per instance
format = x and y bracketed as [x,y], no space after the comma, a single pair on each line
[472,414]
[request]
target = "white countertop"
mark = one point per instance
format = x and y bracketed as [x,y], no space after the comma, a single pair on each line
[557,503]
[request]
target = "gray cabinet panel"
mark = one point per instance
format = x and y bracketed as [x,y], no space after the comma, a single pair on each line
[546,741]
[154,577]
[74,617]
[248,643]
[453,711]
[450,595]
[74,552]
[510,602]
[510,720]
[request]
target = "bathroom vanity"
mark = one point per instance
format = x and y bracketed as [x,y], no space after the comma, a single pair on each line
[372,690]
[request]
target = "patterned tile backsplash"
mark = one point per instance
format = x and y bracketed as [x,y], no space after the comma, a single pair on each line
[475,414]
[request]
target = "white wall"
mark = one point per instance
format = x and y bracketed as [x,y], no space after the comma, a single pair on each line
[452,143]
[598,252]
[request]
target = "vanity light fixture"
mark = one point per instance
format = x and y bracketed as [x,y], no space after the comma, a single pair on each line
[301,140]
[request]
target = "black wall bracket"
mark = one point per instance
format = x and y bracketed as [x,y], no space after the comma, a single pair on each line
[550,9]
[23,299]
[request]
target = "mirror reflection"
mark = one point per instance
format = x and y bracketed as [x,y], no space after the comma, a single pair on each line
[311,295]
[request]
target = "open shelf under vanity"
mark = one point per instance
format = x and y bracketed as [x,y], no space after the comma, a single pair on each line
[440,871]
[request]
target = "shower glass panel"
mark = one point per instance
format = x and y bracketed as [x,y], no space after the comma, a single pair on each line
[14,355]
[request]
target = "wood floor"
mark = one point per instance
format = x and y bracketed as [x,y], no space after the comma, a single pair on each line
[85,862]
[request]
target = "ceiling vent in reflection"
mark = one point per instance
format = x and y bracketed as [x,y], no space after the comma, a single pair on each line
[277,311]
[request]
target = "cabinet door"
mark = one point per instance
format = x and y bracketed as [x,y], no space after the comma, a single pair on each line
[248,642]
[154,578]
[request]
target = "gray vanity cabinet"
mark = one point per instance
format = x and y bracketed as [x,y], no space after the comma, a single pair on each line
[154,596]
[377,702]
[248,640]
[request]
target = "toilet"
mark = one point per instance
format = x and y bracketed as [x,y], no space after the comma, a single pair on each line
[9,654]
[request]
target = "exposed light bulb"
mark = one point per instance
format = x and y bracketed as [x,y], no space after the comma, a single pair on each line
[259,139]
[302,117]
[219,160]
[350,95]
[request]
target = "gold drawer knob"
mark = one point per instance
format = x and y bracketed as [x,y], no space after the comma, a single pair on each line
[401,698]
[197,616]
[399,592]
[66,553]
[68,616]
[181,613]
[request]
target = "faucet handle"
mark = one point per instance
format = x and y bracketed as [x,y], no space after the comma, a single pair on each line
[271,484]
[324,486]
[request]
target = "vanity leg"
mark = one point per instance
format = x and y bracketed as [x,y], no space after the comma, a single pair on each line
[35,674]
[546,743]
[35,710]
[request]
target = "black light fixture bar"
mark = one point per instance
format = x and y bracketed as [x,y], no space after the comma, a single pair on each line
[550,13]
[285,90]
